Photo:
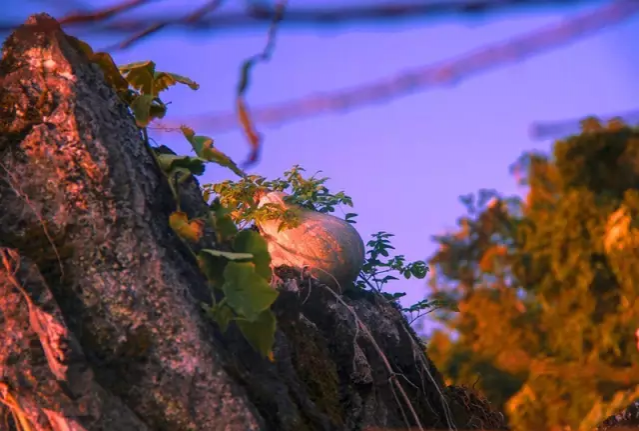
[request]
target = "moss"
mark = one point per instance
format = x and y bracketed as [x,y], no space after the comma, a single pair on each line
[316,372]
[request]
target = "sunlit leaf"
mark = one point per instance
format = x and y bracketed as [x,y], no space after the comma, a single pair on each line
[164,80]
[191,230]
[141,76]
[205,149]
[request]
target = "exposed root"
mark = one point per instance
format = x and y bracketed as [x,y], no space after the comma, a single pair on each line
[393,376]
[387,365]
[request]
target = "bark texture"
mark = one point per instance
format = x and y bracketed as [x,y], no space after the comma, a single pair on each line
[102,327]
[627,419]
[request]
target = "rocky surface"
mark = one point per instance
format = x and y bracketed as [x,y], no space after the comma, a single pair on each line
[100,301]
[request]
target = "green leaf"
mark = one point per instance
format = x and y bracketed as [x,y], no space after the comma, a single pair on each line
[169,162]
[157,110]
[164,80]
[419,270]
[222,222]
[228,255]
[248,293]
[261,333]
[222,314]
[205,149]
[141,108]
[216,156]
[249,241]
[141,76]
[212,267]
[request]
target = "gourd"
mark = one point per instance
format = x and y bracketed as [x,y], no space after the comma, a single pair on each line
[329,248]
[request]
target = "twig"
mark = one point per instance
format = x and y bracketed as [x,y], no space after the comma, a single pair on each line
[254,138]
[102,14]
[391,11]
[195,16]
[448,73]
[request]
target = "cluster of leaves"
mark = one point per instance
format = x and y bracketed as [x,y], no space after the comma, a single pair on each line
[242,197]
[547,285]
[240,272]
[380,268]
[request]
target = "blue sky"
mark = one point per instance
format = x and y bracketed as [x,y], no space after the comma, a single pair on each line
[404,162]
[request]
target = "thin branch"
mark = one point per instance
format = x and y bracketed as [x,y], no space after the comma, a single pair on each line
[101,14]
[448,73]
[257,15]
[244,117]
[197,15]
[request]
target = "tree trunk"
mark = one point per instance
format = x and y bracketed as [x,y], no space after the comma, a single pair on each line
[100,300]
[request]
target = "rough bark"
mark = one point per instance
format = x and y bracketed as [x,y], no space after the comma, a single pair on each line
[627,419]
[100,301]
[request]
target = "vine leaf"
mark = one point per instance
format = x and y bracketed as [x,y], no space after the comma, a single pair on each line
[249,241]
[141,107]
[205,149]
[171,163]
[222,314]
[212,267]
[228,254]
[247,293]
[188,229]
[164,80]
[141,76]
[260,333]
[111,73]
[222,222]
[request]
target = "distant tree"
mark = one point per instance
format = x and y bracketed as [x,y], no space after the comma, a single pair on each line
[547,285]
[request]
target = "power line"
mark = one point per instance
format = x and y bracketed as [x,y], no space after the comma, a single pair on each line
[447,73]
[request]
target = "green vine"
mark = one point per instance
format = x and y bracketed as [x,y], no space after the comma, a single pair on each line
[242,275]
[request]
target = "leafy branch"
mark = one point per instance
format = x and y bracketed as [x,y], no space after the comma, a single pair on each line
[240,199]
[240,274]
[380,268]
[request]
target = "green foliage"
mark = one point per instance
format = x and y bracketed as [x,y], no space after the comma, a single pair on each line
[380,268]
[547,285]
[239,273]
[241,198]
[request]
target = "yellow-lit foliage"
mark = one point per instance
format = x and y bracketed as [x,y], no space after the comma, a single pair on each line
[547,285]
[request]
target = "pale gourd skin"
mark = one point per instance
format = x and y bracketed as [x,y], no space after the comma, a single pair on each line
[328,247]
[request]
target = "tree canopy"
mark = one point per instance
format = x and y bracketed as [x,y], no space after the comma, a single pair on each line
[547,285]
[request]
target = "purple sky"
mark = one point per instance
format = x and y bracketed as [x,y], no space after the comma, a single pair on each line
[404,162]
